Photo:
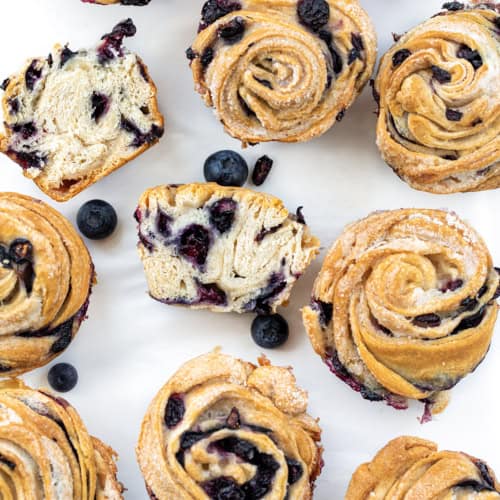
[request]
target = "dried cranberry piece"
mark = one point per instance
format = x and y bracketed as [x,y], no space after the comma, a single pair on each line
[261,170]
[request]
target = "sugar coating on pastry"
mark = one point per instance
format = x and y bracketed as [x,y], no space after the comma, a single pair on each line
[225,428]
[74,117]
[404,306]
[438,90]
[409,467]
[46,275]
[221,248]
[46,451]
[282,71]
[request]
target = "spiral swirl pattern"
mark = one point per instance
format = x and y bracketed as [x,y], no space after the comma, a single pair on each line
[272,74]
[45,278]
[221,426]
[46,451]
[404,306]
[439,95]
[412,468]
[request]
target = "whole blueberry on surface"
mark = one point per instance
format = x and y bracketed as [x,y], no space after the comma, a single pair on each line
[63,377]
[226,168]
[97,219]
[270,331]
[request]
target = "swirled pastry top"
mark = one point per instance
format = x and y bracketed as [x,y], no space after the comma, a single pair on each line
[439,96]
[414,469]
[282,70]
[46,451]
[404,305]
[45,278]
[226,249]
[224,428]
[75,117]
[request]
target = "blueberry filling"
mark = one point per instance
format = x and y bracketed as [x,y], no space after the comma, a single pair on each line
[399,57]
[146,241]
[452,285]
[357,48]
[427,321]
[262,303]
[191,54]
[223,488]
[143,71]
[222,214]
[313,14]
[215,9]
[440,74]
[100,105]
[194,243]
[327,37]
[246,108]
[325,311]
[469,304]
[13,103]
[267,231]
[20,251]
[66,55]
[470,321]
[211,294]
[163,222]
[340,116]
[233,421]
[112,42]
[28,160]
[450,157]
[475,485]
[19,257]
[32,75]
[207,57]
[11,465]
[453,115]
[453,6]
[233,31]
[261,170]
[174,411]
[473,56]
[5,84]
[25,130]
[141,138]
[295,470]
[485,473]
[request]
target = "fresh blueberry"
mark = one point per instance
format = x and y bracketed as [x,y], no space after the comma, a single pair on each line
[226,168]
[63,377]
[270,331]
[97,219]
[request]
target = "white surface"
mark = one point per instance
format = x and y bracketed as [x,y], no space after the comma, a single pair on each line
[130,344]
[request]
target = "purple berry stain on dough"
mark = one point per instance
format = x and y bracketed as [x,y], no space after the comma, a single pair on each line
[66,55]
[25,130]
[32,75]
[141,138]
[222,214]
[211,294]
[100,105]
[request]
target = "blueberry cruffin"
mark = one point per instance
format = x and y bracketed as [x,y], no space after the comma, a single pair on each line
[221,248]
[224,428]
[439,96]
[74,117]
[46,451]
[46,274]
[404,306]
[281,70]
[412,468]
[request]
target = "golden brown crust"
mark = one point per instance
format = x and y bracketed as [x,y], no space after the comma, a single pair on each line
[439,120]
[46,451]
[404,305]
[413,468]
[44,291]
[281,81]
[230,399]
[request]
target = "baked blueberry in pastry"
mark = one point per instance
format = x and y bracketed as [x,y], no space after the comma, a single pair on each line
[224,428]
[46,275]
[221,248]
[281,70]
[412,468]
[74,117]
[404,306]
[438,89]
[46,451]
